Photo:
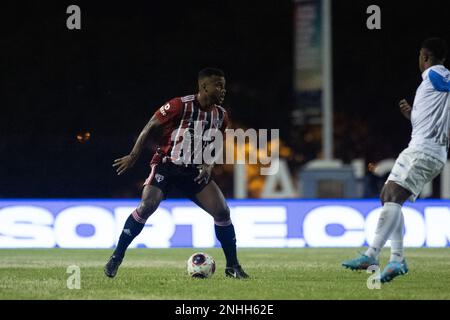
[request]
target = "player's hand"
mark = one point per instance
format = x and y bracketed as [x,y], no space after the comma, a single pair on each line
[405,108]
[205,173]
[124,163]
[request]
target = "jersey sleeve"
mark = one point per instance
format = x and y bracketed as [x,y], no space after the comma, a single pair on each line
[439,82]
[170,111]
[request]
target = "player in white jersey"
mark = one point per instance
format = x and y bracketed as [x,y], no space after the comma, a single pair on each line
[418,164]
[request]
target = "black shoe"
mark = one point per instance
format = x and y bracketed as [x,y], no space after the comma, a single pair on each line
[112,266]
[236,272]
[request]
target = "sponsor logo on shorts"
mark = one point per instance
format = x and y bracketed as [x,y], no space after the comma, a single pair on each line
[159,177]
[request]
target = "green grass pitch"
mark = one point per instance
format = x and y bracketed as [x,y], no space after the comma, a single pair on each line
[160,274]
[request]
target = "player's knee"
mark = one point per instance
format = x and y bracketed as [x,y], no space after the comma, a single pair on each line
[223,215]
[386,197]
[390,197]
[147,208]
[387,192]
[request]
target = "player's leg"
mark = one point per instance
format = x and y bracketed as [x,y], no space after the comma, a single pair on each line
[211,199]
[421,169]
[151,197]
[397,263]
[392,197]
[397,241]
[395,192]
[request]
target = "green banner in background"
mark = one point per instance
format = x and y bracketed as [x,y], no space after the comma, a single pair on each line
[308,84]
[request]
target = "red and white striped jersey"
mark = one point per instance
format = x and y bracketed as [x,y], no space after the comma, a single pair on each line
[181,115]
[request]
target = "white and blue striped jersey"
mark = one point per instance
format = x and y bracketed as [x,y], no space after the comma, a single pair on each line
[430,115]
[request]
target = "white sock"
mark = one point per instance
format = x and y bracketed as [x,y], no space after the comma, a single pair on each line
[397,241]
[389,219]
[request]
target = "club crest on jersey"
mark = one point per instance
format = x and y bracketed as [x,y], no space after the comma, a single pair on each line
[164,108]
[159,177]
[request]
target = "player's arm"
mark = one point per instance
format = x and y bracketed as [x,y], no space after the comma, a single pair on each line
[153,130]
[439,82]
[405,108]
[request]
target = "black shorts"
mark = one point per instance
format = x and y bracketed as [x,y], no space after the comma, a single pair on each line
[170,177]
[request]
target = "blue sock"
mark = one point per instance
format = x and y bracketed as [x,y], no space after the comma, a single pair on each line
[133,226]
[227,238]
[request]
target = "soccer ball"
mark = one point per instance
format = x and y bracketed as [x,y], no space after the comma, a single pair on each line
[201,265]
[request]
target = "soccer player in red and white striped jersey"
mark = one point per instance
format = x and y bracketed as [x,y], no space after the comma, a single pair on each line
[178,163]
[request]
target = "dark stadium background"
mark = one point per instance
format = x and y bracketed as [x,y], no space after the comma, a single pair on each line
[130,57]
